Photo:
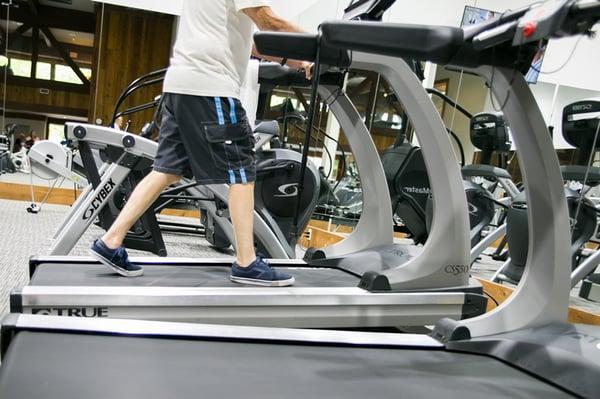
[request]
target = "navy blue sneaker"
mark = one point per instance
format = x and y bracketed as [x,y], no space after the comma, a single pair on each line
[260,273]
[116,259]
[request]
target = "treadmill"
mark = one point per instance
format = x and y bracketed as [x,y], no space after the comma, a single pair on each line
[522,349]
[366,280]
[53,357]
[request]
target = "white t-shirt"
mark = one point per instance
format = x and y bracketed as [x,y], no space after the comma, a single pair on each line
[213,47]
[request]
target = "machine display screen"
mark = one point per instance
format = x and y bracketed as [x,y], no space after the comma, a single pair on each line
[474,15]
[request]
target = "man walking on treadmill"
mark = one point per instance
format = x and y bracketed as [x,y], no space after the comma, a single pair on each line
[205,132]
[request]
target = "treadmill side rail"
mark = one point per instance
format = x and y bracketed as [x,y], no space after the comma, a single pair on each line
[16,323]
[300,307]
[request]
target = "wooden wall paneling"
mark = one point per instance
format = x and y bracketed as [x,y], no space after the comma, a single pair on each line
[130,43]
[29,99]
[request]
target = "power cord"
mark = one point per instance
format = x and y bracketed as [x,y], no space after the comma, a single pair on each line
[491,297]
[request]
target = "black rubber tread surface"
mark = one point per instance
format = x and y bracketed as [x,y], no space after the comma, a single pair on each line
[67,366]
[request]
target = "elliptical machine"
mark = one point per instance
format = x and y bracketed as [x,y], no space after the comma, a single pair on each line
[277,179]
[411,194]
[276,188]
[580,129]
[490,134]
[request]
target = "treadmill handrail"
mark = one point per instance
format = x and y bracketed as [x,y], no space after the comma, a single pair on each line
[274,74]
[299,46]
[420,42]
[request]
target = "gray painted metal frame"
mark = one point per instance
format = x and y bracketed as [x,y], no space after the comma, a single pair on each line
[307,307]
[322,307]
[85,213]
[80,200]
[375,226]
[532,304]
[585,268]
[488,240]
[443,262]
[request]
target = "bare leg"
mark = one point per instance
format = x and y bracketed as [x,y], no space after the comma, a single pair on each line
[144,195]
[241,209]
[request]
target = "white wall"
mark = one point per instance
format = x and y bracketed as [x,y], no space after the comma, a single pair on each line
[167,7]
[291,9]
[310,18]
[581,70]
[567,95]
[285,8]
[552,103]
[544,95]
[471,94]
[428,12]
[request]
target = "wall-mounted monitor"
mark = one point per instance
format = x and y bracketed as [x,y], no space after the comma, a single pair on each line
[474,15]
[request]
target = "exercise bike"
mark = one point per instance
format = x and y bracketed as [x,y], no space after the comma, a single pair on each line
[490,134]
[411,194]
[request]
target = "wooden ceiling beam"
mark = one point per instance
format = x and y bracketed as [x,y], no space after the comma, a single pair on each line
[53,17]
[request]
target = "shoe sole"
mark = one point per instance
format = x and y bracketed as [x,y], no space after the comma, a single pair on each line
[263,283]
[113,267]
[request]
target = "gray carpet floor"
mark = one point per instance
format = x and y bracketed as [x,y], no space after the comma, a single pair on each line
[25,235]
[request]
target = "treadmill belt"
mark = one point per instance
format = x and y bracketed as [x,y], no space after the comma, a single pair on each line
[68,366]
[176,276]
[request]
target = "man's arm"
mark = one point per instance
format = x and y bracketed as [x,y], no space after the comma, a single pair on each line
[266,20]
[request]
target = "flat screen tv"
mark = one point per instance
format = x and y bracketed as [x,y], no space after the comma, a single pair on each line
[474,16]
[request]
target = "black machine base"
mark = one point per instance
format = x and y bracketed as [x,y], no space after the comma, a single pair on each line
[590,288]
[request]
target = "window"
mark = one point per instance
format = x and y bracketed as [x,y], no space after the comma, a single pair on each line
[64,73]
[20,67]
[87,72]
[44,71]
[56,132]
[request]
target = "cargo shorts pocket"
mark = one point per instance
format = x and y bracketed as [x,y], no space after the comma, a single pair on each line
[231,145]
